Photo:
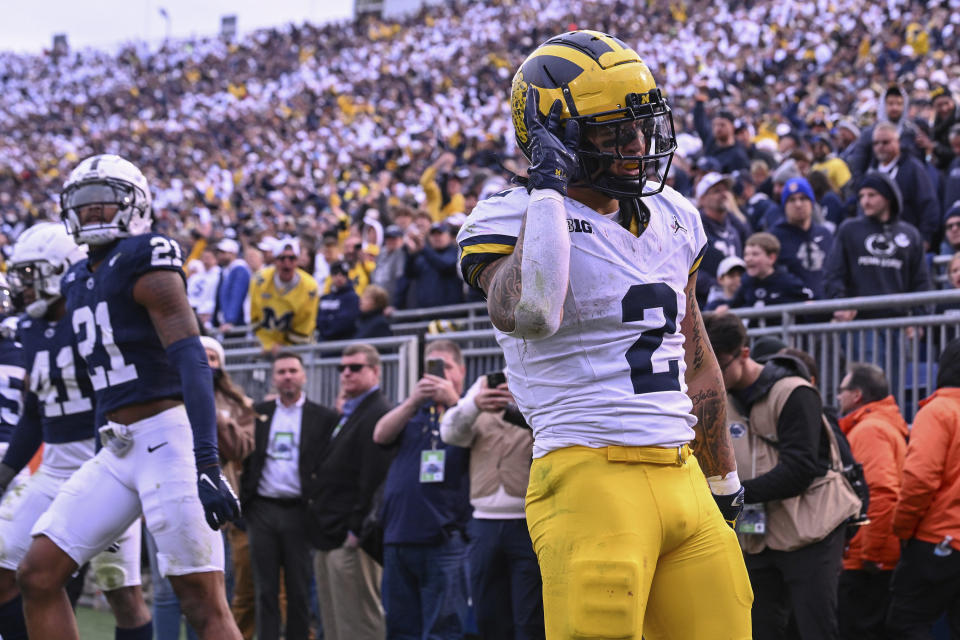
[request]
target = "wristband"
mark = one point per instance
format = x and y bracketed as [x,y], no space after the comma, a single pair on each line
[724,485]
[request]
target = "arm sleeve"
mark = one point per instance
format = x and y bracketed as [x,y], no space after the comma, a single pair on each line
[799,429]
[190,359]
[27,437]
[432,192]
[456,426]
[876,454]
[701,125]
[922,471]
[235,434]
[238,285]
[305,318]
[835,269]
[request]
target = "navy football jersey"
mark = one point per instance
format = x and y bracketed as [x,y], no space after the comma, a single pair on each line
[58,377]
[12,373]
[125,359]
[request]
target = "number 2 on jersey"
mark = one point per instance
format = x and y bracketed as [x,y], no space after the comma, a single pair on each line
[97,325]
[641,298]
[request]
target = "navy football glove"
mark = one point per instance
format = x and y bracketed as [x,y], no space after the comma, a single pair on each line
[731,506]
[553,161]
[220,504]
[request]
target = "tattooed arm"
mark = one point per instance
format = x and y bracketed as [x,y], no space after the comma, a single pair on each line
[705,388]
[525,290]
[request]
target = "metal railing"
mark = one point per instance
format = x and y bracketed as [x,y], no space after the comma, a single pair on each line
[399,357]
[906,347]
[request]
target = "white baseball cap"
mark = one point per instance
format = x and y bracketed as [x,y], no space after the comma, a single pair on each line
[229,245]
[710,180]
[729,263]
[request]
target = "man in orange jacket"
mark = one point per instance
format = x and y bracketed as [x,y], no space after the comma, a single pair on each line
[878,439]
[926,583]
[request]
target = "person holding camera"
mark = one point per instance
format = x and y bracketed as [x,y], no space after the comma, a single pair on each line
[504,574]
[426,507]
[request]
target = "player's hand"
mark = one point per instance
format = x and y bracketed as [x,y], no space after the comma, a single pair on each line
[553,161]
[731,506]
[220,504]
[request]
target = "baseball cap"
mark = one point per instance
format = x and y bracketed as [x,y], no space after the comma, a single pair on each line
[710,180]
[393,231]
[341,267]
[730,263]
[439,227]
[283,244]
[228,245]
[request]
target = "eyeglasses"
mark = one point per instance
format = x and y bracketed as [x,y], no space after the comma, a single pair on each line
[285,258]
[953,225]
[354,367]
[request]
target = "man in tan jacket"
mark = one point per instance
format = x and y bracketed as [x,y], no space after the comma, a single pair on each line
[504,573]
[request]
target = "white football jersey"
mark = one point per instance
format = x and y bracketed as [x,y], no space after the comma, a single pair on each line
[613,374]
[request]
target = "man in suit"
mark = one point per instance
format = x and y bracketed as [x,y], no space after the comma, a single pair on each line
[291,433]
[339,494]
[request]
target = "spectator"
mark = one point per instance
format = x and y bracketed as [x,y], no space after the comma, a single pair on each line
[804,244]
[919,205]
[875,254]
[443,188]
[847,134]
[951,230]
[729,278]
[432,270]
[774,403]
[372,321]
[725,232]
[767,282]
[330,252]
[339,309]
[878,440]
[359,263]
[425,508]
[504,574]
[826,161]
[718,137]
[894,114]
[340,493]
[283,302]
[233,286]
[926,583]
[947,115]
[291,432]
[951,178]
[390,262]
[760,211]
[202,286]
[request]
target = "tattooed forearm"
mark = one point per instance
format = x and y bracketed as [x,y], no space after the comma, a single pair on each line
[696,340]
[712,441]
[501,280]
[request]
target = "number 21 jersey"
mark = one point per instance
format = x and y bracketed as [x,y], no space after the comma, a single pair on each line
[613,374]
[125,359]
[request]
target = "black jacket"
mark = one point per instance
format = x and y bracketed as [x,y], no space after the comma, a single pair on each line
[343,478]
[316,424]
[870,258]
[921,206]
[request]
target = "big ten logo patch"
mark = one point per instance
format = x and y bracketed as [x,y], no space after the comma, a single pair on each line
[579,226]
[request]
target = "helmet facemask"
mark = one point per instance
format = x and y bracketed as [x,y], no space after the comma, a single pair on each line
[132,217]
[41,276]
[627,152]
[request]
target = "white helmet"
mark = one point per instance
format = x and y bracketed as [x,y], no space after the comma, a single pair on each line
[6,298]
[41,255]
[106,180]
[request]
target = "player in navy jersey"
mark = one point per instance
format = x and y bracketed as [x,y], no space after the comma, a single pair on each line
[58,411]
[153,393]
[12,375]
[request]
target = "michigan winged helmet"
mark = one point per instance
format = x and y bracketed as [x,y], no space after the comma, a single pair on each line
[605,86]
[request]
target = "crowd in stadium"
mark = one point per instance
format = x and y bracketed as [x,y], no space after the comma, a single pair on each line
[317,178]
[340,131]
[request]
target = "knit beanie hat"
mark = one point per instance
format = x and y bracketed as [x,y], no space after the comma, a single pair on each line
[796,185]
[882,184]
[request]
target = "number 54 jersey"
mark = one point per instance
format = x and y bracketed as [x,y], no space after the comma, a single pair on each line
[125,359]
[613,374]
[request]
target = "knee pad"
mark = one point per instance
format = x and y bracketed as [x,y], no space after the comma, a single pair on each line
[605,599]
[109,577]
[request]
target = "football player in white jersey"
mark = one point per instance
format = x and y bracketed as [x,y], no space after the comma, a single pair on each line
[589,274]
